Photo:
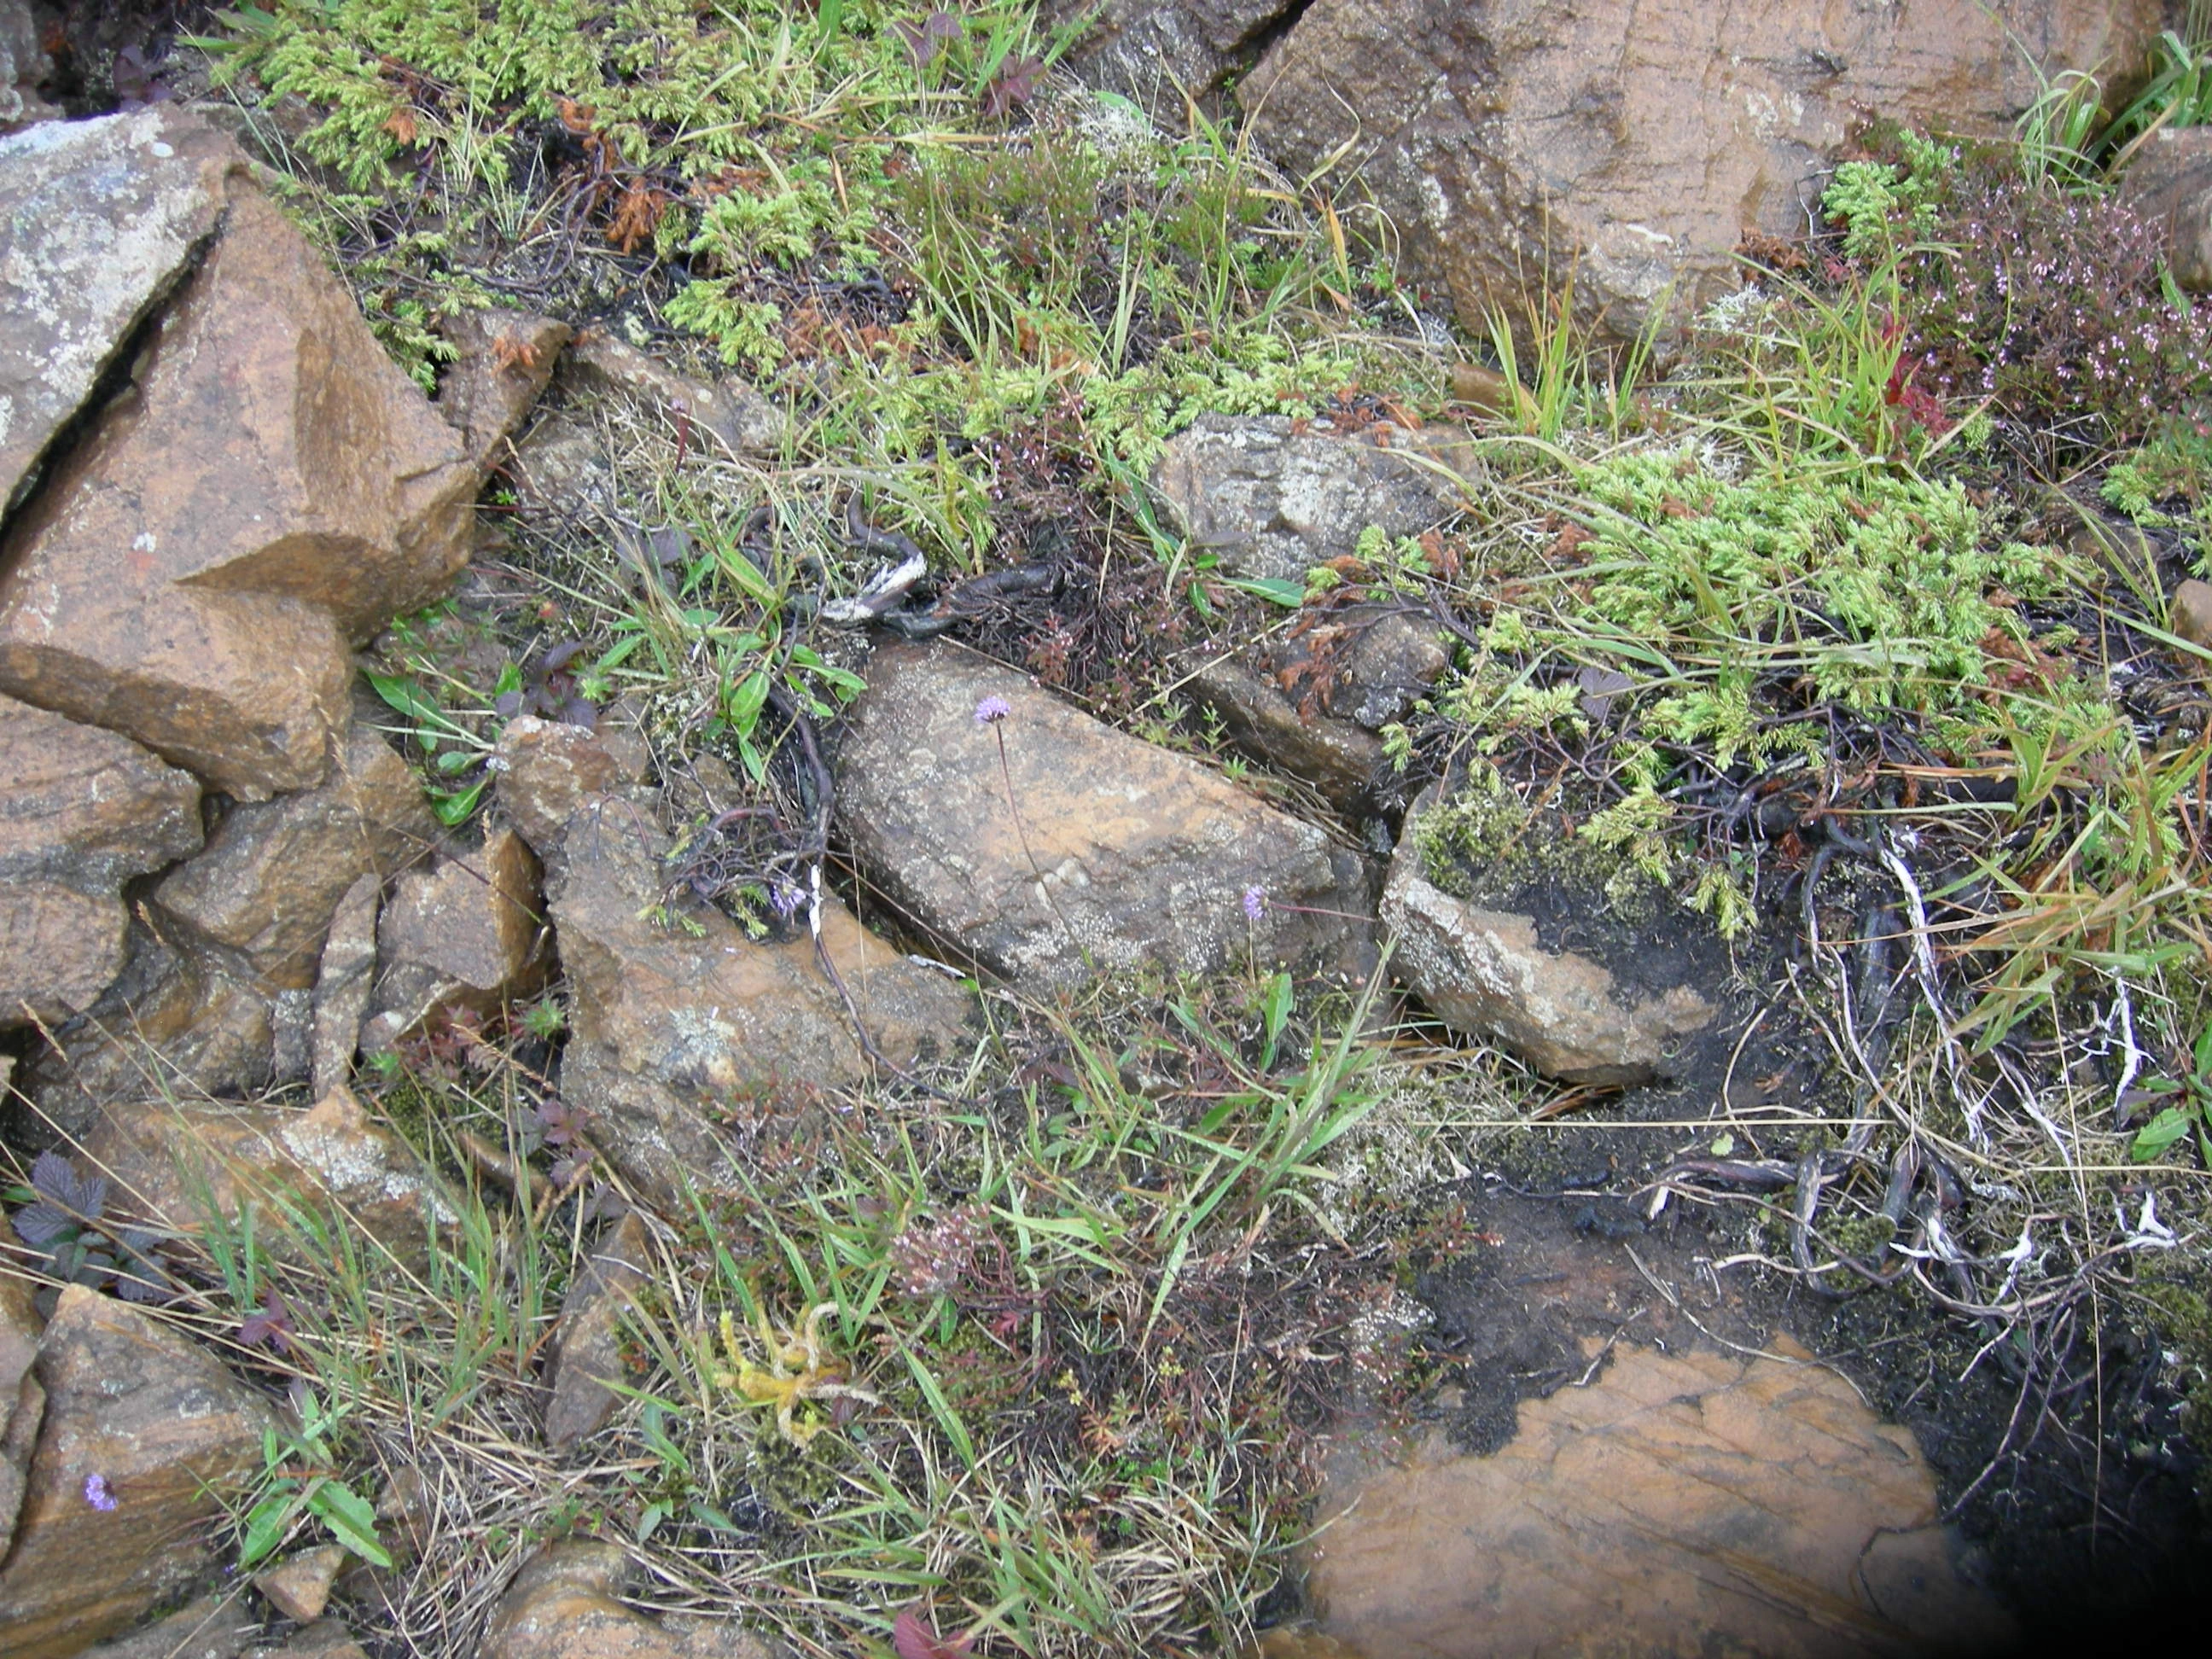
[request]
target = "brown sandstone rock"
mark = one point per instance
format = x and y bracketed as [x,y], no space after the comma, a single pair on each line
[545,771]
[1145,856]
[563,1606]
[271,487]
[212,1627]
[2170,181]
[729,412]
[586,1354]
[167,1162]
[1487,973]
[299,1587]
[1270,500]
[83,809]
[670,1021]
[258,901]
[2189,613]
[505,360]
[1629,145]
[1688,1503]
[465,935]
[171,1435]
[98,220]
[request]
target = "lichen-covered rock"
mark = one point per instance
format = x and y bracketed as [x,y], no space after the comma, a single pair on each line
[23,1400]
[98,220]
[545,769]
[167,1161]
[1086,850]
[343,982]
[271,488]
[83,809]
[145,1438]
[586,1354]
[1270,497]
[1494,973]
[213,1626]
[728,413]
[1626,146]
[1158,53]
[674,1020]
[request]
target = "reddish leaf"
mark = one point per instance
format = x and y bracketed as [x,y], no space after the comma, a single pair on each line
[912,1639]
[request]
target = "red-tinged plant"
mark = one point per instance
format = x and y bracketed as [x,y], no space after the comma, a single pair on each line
[913,1640]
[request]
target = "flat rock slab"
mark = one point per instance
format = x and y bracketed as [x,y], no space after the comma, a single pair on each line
[271,489]
[563,1606]
[84,811]
[98,220]
[678,1015]
[1273,497]
[2170,182]
[1687,1504]
[170,1434]
[1107,853]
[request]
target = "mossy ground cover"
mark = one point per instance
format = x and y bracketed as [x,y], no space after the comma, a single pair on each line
[1848,630]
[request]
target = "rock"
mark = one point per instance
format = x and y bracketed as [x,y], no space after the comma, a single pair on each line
[1336,756]
[729,412]
[1156,54]
[1688,1503]
[2189,614]
[669,1022]
[98,220]
[343,982]
[2170,182]
[300,1587]
[271,487]
[587,1349]
[563,1606]
[171,1023]
[326,1639]
[216,1626]
[171,1437]
[23,66]
[544,770]
[1488,972]
[23,1400]
[464,935]
[1628,146]
[1348,674]
[1268,499]
[258,902]
[561,464]
[84,811]
[168,1162]
[505,360]
[1146,856]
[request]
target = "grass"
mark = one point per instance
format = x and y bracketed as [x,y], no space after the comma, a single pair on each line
[1868,670]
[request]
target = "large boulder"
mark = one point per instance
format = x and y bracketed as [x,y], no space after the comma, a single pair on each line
[145,1438]
[678,1015]
[98,222]
[1626,146]
[1048,846]
[84,811]
[269,488]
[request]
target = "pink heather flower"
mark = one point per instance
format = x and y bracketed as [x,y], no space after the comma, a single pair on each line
[97,1494]
[1255,904]
[991,710]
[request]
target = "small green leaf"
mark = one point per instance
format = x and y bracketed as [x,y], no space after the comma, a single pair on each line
[1273,589]
[747,576]
[2160,1133]
[746,702]
[649,1522]
[267,1522]
[402,694]
[351,1520]
[453,808]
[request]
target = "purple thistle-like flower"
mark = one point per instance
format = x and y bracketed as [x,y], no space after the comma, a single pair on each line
[1256,903]
[991,710]
[97,1494]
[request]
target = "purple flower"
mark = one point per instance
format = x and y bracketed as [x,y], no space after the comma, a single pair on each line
[991,710]
[1256,903]
[97,1494]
